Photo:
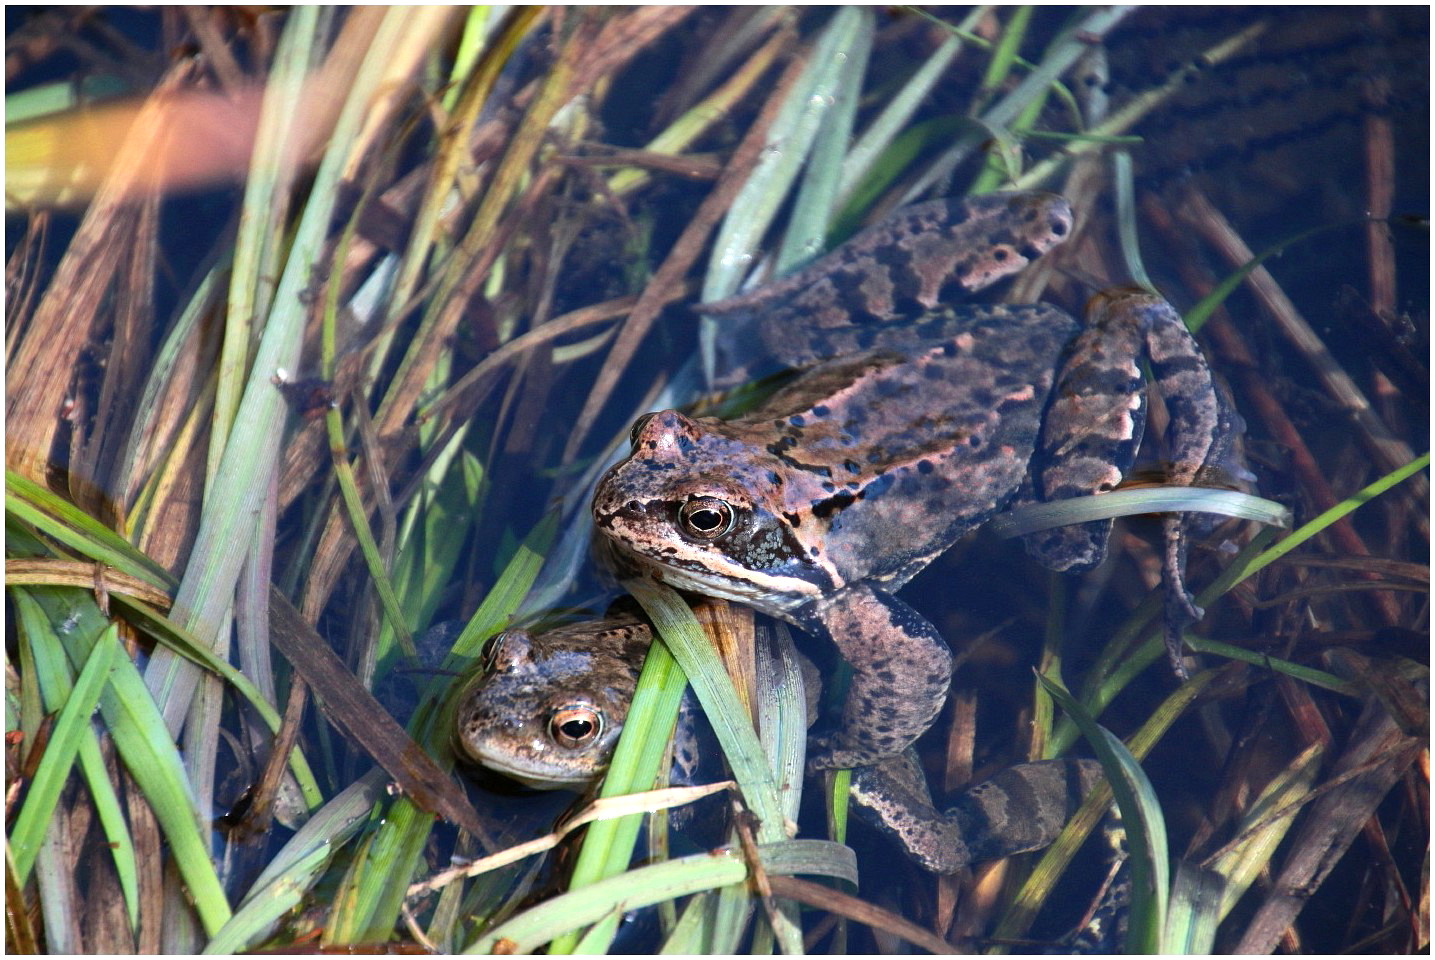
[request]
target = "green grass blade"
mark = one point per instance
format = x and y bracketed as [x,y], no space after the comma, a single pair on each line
[251,452]
[69,730]
[812,210]
[767,186]
[292,873]
[1237,572]
[680,630]
[1004,55]
[45,664]
[1265,824]
[1126,229]
[67,523]
[1063,52]
[1145,826]
[1195,911]
[261,225]
[1197,316]
[637,759]
[146,748]
[635,765]
[654,884]
[508,592]
[899,110]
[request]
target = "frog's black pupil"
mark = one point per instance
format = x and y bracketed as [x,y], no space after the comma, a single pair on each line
[577,729]
[705,519]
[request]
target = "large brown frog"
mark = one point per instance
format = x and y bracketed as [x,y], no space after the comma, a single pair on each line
[926,421]
[546,707]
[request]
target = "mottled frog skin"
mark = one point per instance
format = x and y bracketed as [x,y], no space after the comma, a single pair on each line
[547,707]
[821,503]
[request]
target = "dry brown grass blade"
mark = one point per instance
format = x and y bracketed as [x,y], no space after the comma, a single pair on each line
[690,166]
[825,898]
[623,37]
[1379,141]
[19,931]
[23,276]
[1382,754]
[685,251]
[1390,452]
[99,438]
[203,21]
[265,790]
[361,718]
[149,866]
[40,369]
[77,573]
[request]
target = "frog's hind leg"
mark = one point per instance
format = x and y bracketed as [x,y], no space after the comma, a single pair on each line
[1019,809]
[1090,434]
[1203,431]
[901,669]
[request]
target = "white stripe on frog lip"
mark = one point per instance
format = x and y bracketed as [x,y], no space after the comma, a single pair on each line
[775,595]
[538,776]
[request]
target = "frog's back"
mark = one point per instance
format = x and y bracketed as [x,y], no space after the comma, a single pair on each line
[905,449]
[924,256]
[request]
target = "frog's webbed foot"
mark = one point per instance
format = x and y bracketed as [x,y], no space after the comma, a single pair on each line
[901,669]
[1021,808]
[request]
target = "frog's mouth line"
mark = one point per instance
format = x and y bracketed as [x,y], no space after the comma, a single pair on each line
[528,777]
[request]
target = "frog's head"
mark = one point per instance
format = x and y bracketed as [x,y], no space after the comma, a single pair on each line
[542,713]
[701,508]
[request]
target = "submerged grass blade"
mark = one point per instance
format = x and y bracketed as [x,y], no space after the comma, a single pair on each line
[280,888]
[792,133]
[813,208]
[1145,826]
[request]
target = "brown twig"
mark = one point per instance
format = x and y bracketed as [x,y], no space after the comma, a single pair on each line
[826,898]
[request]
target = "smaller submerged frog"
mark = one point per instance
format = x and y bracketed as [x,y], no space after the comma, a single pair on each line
[546,709]
[926,421]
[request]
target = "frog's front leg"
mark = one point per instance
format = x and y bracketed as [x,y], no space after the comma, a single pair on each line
[901,669]
[1021,808]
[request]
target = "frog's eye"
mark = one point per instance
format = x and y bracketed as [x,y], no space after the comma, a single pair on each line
[575,726]
[706,518]
[638,426]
